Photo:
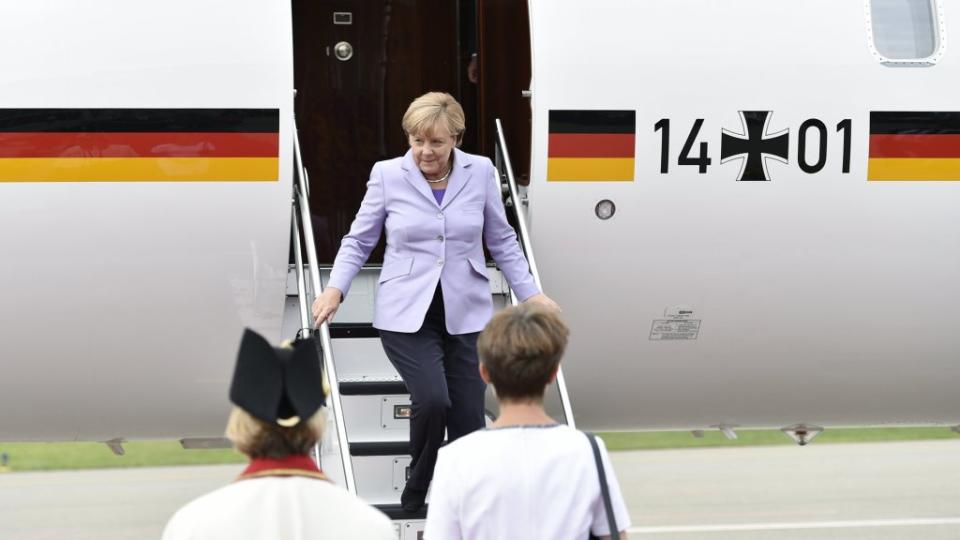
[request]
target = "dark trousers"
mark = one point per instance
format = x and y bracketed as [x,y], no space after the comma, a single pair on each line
[441,372]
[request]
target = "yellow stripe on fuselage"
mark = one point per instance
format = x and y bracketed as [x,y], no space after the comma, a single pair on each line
[170,169]
[913,169]
[590,169]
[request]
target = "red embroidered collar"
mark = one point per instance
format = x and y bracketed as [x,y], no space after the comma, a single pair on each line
[290,466]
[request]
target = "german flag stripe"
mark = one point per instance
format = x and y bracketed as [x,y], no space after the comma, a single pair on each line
[593,122]
[913,122]
[140,120]
[914,146]
[139,145]
[562,169]
[98,144]
[168,169]
[913,169]
[920,146]
[600,145]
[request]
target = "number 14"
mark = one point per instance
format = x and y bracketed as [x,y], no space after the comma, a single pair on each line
[702,161]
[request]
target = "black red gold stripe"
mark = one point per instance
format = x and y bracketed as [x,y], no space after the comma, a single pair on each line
[604,145]
[591,146]
[567,121]
[914,146]
[170,144]
[921,146]
[914,122]
[140,120]
[242,169]
[139,145]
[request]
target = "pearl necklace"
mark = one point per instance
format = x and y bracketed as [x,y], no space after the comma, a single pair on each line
[438,180]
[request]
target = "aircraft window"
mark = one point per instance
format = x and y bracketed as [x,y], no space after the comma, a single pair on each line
[905,31]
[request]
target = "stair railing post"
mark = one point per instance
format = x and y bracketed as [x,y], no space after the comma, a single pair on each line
[503,157]
[330,368]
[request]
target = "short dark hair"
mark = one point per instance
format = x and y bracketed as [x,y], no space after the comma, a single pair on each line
[521,348]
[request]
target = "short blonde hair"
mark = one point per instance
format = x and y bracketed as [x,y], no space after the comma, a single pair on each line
[434,109]
[259,439]
[521,348]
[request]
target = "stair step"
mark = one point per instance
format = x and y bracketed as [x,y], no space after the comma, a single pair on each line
[381,478]
[397,513]
[390,448]
[362,359]
[353,330]
[372,388]
[379,417]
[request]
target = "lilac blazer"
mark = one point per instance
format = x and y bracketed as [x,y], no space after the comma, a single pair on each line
[429,243]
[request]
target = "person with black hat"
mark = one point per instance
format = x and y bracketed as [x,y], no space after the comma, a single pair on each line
[278,418]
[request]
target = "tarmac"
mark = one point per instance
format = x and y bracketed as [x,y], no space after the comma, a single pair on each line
[880,491]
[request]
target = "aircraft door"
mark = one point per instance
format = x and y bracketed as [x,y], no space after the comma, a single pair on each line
[357,67]
[504,60]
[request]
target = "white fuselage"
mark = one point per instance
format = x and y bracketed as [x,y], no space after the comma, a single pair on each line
[816,296]
[821,297]
[123,302]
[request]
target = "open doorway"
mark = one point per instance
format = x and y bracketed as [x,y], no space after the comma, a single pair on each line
[350,99]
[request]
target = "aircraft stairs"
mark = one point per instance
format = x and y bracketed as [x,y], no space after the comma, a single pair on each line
[366,447]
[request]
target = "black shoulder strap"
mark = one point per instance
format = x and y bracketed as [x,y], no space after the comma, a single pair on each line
[604,488]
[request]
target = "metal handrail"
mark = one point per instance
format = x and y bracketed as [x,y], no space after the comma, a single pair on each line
[301,282]
[528,252]
[303,203]
[298,158]
[306,328]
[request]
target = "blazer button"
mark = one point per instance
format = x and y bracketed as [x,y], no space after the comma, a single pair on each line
[440,262]
[440,237]
[440,215]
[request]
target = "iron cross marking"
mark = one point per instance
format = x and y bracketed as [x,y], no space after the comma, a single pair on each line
[754,146]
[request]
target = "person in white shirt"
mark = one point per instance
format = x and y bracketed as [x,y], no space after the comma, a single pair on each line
[282,494]
[526,476]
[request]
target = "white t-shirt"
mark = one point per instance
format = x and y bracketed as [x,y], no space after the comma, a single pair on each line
[288,508]
[531,482]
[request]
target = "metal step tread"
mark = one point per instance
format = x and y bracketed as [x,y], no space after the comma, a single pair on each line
[366,378]
[372,387]
[380,448]
[396,512]
[353,330]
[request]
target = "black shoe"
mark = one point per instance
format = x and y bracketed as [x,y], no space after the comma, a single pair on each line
[412,499]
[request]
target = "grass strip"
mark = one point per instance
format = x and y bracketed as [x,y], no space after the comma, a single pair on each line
[86,455]
[684,439]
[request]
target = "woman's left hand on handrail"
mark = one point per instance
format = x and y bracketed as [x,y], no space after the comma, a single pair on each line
[326,305]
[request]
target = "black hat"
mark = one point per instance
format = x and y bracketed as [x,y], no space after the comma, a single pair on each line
[278,384]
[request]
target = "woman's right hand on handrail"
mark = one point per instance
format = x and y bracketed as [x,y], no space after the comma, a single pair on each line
[326,305]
